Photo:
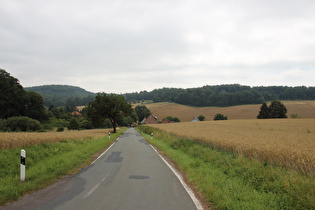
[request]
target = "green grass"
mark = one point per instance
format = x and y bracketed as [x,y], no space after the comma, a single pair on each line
[45,164]
[229,181]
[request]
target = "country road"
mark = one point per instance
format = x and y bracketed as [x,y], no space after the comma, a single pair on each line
[129,175]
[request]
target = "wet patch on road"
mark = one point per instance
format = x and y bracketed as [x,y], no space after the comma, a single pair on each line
[138,177]
[143,141]
[114,157]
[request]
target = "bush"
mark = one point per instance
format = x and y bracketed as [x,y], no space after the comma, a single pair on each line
[220,116]
[60,129]
[201,118]
[86,124]
[21,124]
[174,119]
[74,124]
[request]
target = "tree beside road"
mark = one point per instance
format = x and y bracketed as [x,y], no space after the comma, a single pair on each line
[111,106]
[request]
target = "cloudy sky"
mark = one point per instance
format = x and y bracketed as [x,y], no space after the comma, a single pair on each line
[122,46]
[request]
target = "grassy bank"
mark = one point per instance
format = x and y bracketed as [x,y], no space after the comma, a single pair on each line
[230,181]
[46,163]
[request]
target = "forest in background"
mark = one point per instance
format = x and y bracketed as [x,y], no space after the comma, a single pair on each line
[216,95]
[224,95]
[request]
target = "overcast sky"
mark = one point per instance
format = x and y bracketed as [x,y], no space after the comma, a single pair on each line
[123,46]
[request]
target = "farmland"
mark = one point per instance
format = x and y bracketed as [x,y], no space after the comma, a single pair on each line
[243,164]
[24,139]
[304,109]
[285,142]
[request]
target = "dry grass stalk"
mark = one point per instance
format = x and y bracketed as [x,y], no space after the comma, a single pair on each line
[287,142]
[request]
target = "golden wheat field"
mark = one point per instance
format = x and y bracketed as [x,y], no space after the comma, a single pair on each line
[288,142]
[304,109]
[24,139]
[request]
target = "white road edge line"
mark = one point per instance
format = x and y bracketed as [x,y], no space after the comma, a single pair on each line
[180,178]
[95,187]
[104,152]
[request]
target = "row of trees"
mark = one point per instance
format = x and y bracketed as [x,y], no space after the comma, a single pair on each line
[224,95]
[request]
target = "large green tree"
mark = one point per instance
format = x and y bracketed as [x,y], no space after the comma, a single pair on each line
[277,110]
[142,112]
[111,106]
[15,101]
[11,95]
[264,112]
[34,106]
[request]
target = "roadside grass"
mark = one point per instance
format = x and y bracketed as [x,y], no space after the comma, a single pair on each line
[46,163]
[230,181]
[10,140]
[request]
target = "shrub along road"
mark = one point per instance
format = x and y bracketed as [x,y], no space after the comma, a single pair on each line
[129,175]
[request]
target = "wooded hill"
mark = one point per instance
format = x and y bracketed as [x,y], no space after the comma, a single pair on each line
[217,95]
[224,95]
[63,95]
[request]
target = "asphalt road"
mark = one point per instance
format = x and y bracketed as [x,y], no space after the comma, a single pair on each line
[129,175]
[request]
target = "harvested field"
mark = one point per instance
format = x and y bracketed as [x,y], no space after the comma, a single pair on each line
[24,139]
[304,109]
[286,142]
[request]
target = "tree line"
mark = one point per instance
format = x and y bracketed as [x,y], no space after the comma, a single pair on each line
[224,95]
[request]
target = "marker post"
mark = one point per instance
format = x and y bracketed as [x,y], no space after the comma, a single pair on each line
[23,160]
[108,135]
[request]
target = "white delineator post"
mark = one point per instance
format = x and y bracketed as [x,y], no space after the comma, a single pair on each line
[23,159]
[108,135]
[151,135]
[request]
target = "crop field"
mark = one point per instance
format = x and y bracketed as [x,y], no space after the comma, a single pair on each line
[285,142]
[23,139]
[303,109]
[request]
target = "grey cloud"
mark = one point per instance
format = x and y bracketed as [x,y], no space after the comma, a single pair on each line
[95,44]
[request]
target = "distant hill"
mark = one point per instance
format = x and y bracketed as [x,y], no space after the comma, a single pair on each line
[63,95]
[303,109]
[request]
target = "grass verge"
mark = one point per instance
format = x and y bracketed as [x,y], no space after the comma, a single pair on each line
[230,181]
[46,163]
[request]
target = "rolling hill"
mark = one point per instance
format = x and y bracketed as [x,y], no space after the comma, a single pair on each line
[62,95]
[303,109]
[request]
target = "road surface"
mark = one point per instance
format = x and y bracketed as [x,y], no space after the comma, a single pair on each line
[129,175]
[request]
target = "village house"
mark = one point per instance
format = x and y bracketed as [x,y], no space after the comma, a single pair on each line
[151,119]
[167,121]
[195,119]
[76,113]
